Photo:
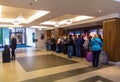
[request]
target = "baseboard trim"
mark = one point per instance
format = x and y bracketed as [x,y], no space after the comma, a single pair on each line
[114,63]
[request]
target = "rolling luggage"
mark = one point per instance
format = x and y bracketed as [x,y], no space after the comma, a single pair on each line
[6,54]
[89,56]
[103,59]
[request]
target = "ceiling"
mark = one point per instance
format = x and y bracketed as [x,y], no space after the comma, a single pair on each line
[13,12]
[59,9]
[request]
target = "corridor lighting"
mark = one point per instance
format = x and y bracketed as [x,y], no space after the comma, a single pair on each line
[80,18]
[37,15]
[67,21]
[48,23]
[6,20]
[39,27]
[10,28]
[21,19]
[0,11]
[16,22]
[9,25]
[117,0]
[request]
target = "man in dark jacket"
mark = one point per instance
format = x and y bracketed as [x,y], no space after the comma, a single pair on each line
[13,46]
[70,43]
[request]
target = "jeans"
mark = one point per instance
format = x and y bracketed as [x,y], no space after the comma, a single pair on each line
[70,51]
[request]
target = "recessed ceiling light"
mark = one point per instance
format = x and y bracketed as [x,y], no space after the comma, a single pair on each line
[117,0]
[100,11]
[80,18]
[68,22]
[56,25]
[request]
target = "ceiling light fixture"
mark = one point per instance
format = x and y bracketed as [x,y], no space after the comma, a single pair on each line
[117,0]
[48,23]
[56,25]
[80,18]
[20,19]
[16,22]
[68,22]
[9,25]
[100,11]
[36,0]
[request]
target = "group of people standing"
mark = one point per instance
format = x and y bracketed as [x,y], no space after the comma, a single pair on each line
[77,46]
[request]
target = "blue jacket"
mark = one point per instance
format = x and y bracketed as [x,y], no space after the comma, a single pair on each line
[78,42]
[96,44]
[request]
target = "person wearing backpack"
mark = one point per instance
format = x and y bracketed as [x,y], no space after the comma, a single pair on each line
[96,48]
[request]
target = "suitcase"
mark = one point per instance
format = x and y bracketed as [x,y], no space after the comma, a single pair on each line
[89,56]
[6,54]
[103,59]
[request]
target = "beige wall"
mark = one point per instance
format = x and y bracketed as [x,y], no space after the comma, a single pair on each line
[41,43]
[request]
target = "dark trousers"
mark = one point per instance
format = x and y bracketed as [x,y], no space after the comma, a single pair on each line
[59,48]
[13,54]
[78,51]
[65,49]
[95,61]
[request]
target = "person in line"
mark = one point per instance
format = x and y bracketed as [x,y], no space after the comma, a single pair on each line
[59,44]
[74,37]
[100,37]
[96,48]
[78,42]
[70,43]
[13,46]
[65,45]
[82,48]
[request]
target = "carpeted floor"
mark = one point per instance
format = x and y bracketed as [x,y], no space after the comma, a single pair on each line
[44,61]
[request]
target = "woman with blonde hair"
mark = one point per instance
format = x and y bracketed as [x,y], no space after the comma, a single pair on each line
[96,48]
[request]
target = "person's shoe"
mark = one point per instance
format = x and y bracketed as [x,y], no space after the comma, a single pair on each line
[98,66]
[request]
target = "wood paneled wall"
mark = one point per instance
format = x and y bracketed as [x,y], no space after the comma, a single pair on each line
[48,33]
[111,39]
[60,31]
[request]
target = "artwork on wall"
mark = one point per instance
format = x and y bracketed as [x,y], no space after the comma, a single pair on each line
[42,36]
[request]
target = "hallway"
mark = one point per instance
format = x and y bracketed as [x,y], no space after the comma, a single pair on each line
[33,65]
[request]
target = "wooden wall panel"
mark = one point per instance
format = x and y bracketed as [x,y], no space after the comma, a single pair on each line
[111,29]
[60,32]
[48,33]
